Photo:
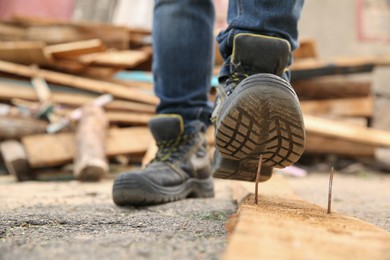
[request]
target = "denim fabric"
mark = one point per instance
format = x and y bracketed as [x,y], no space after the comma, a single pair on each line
[183,44]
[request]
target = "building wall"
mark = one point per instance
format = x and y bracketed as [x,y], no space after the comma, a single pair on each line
[334,25]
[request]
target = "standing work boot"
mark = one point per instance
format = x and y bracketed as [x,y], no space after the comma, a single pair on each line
[180,169]
[257,111]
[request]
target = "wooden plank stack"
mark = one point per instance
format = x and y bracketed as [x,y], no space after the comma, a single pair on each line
[338,100]
[51,74]
[50,71]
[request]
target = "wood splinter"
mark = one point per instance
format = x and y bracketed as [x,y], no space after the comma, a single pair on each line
[258,179]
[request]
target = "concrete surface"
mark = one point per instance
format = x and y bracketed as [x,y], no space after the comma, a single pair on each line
[72,220]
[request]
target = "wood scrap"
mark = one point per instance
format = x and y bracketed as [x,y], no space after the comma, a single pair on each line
[72,49]
[90,163]
[46,150]
[15,159]
[80,82]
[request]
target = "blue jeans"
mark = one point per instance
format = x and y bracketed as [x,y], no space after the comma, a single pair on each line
[183,44]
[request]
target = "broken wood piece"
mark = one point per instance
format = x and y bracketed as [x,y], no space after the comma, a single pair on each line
[24,52]
[72,49]
[283,226]
[90,163]
[81,83]
[58,149]
[14,127]
[126,58]
[16,161]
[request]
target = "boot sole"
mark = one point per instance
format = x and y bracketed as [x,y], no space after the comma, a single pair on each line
[133,189]
[262,116]
[241,170]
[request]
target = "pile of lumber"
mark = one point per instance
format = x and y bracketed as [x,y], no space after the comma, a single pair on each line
[339,100]
[61,102]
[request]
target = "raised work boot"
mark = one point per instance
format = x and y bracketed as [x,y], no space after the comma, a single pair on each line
[180,169]
[257,111]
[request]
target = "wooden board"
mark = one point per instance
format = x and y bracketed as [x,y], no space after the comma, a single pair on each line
[9,91]
[318,144]
[358,107]
[335,86]
[81,83]
[310,68]
[24,52]
[282,226]
[345,131]
[127,58]
[72,49]
[57,149]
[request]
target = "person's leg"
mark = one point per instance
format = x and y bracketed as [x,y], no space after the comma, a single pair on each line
[182,67]
[257,111]
[183,41]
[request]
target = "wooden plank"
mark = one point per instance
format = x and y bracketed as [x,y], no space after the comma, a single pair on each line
[126,58]
[9,91]
[362,107]
[58,149]
[345,131]
[24,52]
[72,49]
[81,83]
[283,226]
[310,68]
[336,86]
[318,144]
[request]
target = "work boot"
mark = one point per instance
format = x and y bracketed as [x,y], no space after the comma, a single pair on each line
[180,169]
[257,111]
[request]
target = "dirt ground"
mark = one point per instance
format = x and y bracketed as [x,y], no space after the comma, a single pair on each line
[72,220]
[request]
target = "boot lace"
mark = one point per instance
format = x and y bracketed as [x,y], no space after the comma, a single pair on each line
[174,149]
[235,78]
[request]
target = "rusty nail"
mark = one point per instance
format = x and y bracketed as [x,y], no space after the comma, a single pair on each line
[258,179]
[330,190]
